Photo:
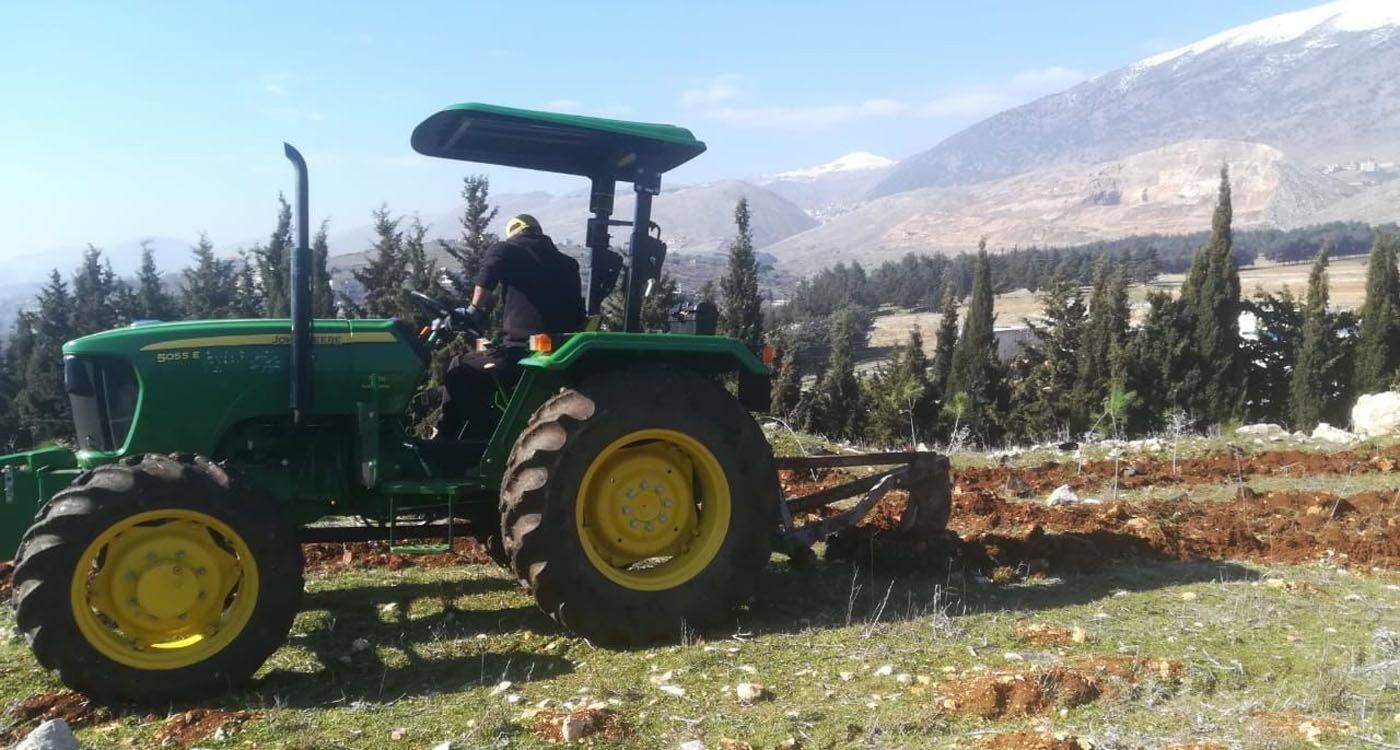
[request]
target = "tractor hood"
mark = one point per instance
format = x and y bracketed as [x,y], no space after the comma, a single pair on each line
[590,147]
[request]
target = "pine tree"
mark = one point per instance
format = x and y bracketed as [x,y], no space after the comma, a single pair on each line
[41,404]
[787,382]
[153,302]
[1270,354]
[1212,371]
[210,285]
[385,271]
[1310,391]
[708,293]
[95,295]
[1105,330]
[477,215]
[834,408]
[422,270]
[1155,356]
[900,396]
[976,368]
[945,342]
[1378,348]
[274,264]
[322,292]
[1047,369]
[657,307]
[741,315]
[248,302]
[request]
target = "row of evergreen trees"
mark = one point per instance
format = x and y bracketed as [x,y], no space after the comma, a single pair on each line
[1084,367]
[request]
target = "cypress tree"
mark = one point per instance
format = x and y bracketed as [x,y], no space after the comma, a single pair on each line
[1047,369]
[422,270]
[1310,391]
[1270,354]
[1105,330]
[95,295]
[383,275]
[1378,347]
[153,302]
[1211,373]
[274,262]
[741,315]
[787,382]
[835,406]
[976,368]
[945,342]
[322,292]
[248,300]
[1154,359]
[211,286]
[41,404]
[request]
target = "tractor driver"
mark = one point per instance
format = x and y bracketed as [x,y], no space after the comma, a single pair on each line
[540,292]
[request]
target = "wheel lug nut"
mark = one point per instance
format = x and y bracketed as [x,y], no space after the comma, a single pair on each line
[203,594]
[635,523]
[661,518]
[151,556]
[631,493]
[665,502]
[131,575]
[131,601]
[626,509]
[199,571]
[180,555]
[648,527]
[645,485]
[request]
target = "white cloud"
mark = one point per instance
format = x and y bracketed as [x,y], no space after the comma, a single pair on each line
[276,84]
[806,116]
[989,98]
[716,90]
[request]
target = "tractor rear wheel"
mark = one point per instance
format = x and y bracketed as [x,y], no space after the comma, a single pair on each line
[639,503]
[156,579]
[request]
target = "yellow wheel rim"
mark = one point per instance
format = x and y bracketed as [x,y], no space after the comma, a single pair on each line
[653,509]
[164,589]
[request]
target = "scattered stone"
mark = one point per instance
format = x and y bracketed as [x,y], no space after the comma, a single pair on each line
[846,676]
[692,745]
[1188,596]
[1063,495]
[1377,414]
[571,729]
[1266,430]
[398,734]
[726,743]
[673,690]
[1018,486]
[790,743]
[53,734]
[443,745]
[751,692]
[359,644]
[1327,433]
[501,687]
[885,671]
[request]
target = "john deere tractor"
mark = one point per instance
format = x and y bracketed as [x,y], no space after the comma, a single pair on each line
[623,485]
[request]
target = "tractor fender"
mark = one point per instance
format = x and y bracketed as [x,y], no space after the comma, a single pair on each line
[27,482]
[588,353]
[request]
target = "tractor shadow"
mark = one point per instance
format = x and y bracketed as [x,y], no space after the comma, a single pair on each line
[869,588]
[358,646]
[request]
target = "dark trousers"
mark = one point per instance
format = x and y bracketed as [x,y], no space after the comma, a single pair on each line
[469,392]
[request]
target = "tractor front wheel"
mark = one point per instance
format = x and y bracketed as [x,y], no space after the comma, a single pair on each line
[156,580]
[639,503]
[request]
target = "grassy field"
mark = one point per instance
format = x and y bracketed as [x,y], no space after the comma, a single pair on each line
[1139,654]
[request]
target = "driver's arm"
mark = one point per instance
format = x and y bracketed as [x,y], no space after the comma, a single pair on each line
[482,298]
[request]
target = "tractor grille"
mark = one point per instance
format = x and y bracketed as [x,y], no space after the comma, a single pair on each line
[103,393]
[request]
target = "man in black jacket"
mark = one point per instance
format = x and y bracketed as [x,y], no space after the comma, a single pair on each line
[540,293]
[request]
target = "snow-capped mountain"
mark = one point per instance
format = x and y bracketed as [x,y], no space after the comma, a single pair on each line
[840,181]
[1319,84]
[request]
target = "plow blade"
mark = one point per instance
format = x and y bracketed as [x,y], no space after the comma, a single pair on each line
[925,477]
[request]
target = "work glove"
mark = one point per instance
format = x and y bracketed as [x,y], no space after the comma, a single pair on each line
[471,318]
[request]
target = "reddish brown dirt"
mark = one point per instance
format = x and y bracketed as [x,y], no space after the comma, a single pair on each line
[6,570]
[319,557]
[1155,471]
[187,728]
[72,707]
[1028,740]
[1035,690]
[1041,634]
[1198,745]
[596,722]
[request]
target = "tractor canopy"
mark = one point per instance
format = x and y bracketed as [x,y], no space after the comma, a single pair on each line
[591,147]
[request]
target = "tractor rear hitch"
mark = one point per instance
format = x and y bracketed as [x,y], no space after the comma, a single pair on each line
[924,476]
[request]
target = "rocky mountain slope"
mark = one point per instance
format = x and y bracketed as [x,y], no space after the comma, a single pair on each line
[1165,190]
[839,182]
[1318,84]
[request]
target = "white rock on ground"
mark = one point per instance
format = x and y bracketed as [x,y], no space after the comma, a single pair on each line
[1330,434]
[53,734]
[1377,414]
[692,745]
[1063,495]
[1263,430]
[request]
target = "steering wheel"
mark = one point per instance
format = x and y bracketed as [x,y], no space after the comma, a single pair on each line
[434,308]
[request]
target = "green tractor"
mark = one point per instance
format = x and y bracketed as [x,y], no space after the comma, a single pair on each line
[624,485]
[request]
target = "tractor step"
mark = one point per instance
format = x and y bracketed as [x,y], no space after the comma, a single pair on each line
[420,549]
[422,487]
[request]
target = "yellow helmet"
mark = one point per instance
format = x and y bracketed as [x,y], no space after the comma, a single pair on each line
[522,223]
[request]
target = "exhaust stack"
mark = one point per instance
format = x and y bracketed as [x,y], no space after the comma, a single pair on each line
[301,294]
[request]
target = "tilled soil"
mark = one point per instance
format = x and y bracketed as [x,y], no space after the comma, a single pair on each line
[74,708]
[1031,740]
[581,724]
[1036,690]
[321,557]
[1157,470]
[185,729]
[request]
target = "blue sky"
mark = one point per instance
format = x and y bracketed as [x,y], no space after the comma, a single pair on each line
[121,120]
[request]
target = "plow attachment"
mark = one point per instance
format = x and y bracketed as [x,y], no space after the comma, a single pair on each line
[924,477]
